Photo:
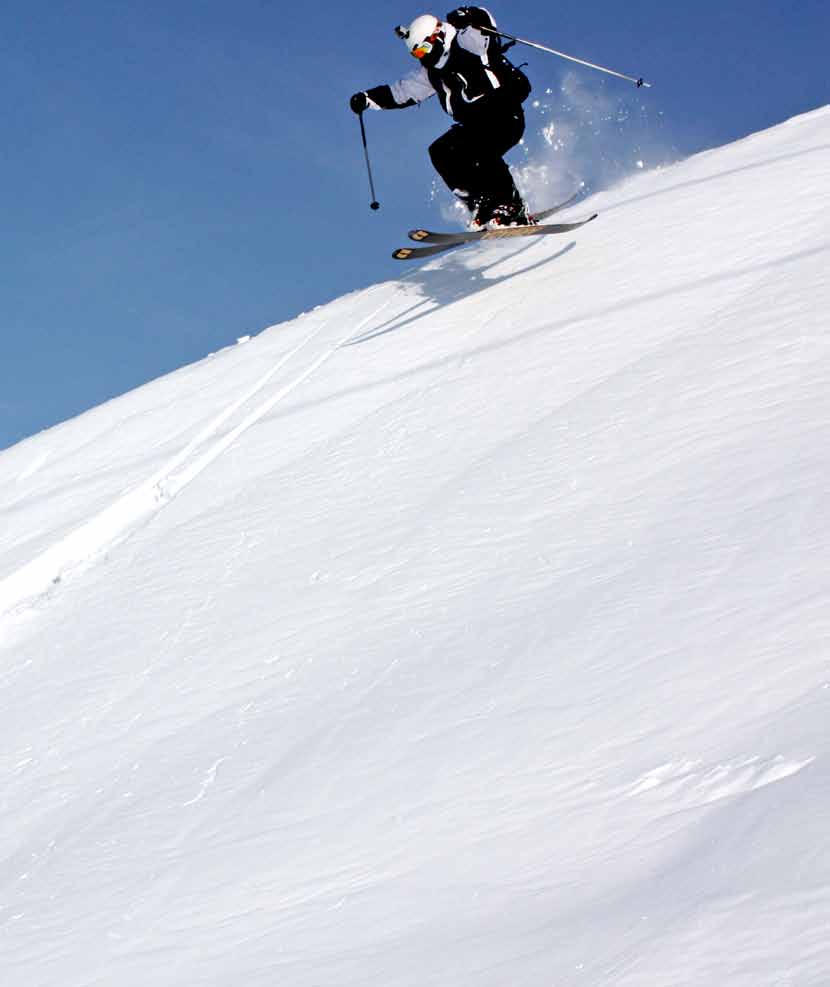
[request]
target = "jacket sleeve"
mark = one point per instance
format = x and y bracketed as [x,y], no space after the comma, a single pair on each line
[413,88]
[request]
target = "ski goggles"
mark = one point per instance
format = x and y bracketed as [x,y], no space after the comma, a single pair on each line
[426,46]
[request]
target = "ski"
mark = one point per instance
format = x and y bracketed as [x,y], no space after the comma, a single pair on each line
[500,233]
[420,235]
[416,253]
[438,242]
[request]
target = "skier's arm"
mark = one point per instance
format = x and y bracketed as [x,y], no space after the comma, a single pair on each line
[412,89]
[467,20]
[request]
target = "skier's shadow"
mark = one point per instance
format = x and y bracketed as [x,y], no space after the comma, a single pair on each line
[451,282]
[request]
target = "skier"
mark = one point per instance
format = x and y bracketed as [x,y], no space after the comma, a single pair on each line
[483,93]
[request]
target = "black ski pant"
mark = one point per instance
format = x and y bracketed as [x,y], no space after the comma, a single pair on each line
[469,157]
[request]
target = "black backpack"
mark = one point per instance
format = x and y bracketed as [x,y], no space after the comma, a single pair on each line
[516,81]
[511,76]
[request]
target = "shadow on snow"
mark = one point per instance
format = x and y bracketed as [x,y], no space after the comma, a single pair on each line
[453,281]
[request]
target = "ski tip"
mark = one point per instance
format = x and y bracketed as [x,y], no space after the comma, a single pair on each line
[403,253]
[418,235]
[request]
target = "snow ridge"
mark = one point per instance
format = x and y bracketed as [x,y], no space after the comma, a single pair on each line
[471,629]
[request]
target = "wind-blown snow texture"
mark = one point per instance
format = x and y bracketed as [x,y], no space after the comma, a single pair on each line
[473,629]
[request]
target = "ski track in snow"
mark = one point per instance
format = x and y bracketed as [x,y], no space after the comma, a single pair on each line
[36,464]
[115,522]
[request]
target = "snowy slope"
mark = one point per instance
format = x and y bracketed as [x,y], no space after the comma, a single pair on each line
[473,629]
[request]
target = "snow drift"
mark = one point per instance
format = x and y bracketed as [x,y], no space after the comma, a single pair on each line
[471,629]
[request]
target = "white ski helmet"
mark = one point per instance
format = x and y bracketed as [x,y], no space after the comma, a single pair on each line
[426,38]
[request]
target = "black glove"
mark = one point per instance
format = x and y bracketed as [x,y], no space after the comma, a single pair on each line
[359,102]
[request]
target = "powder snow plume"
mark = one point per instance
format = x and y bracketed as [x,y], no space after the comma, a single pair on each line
[583,132]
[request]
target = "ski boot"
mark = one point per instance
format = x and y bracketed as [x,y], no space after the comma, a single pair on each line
[482,213]
[513,214]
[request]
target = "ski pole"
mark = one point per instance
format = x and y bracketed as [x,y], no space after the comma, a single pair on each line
[552,51]
[374,203]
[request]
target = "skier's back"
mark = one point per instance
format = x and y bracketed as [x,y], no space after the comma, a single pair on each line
[483,93]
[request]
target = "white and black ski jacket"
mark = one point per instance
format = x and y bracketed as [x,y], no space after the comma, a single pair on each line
[471,78]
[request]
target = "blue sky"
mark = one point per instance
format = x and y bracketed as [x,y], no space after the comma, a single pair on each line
[177,175]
